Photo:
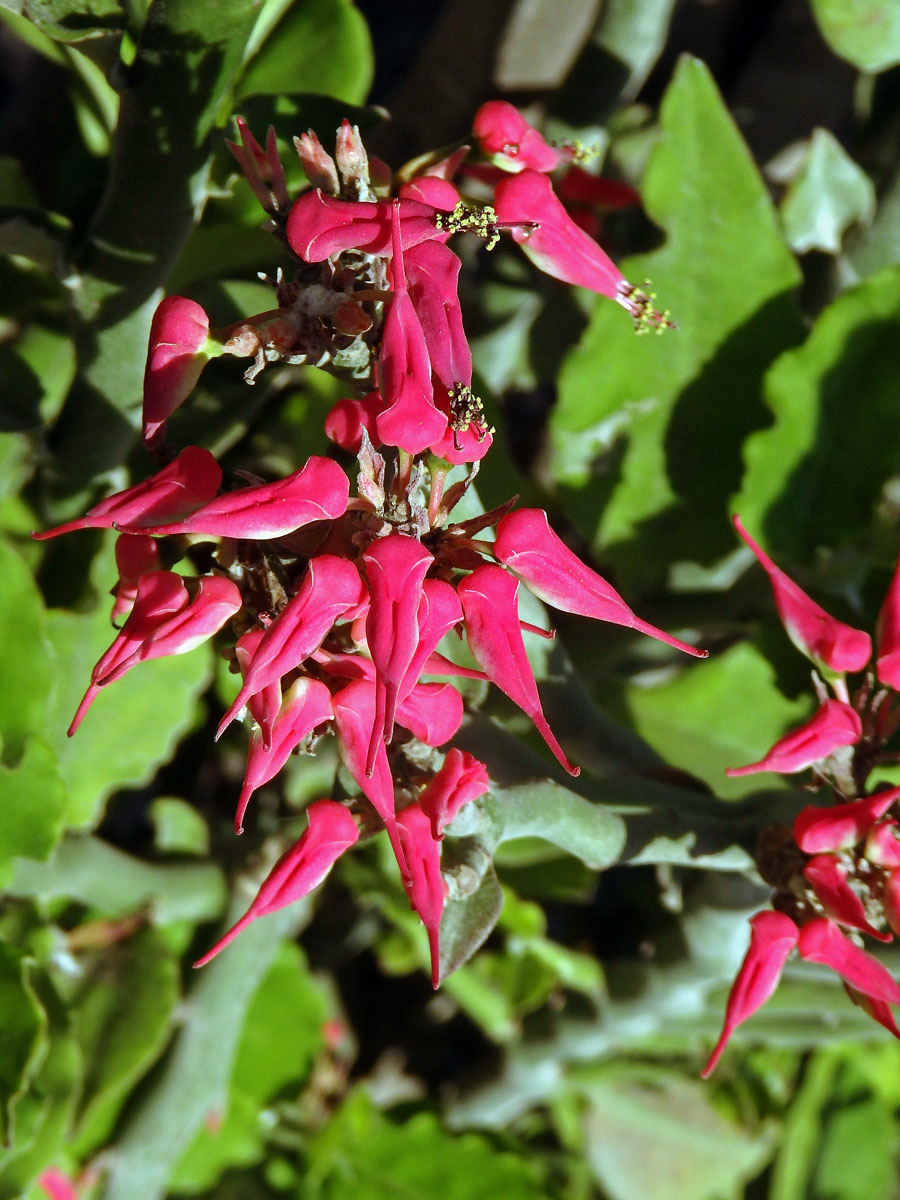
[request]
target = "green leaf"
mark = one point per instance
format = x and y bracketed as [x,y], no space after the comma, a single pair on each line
[178,827]
[827,196]
[362,1154]
[671,413]
[72,20]
[467,922]
[34,806]
[21,1035]
[859,1153]
[322,44]
[726,714]
[120,1040]
[27,673]
[866,32]
[834,404]
[650,1133]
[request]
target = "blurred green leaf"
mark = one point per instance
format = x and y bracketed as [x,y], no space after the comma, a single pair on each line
[27,674]
[72,20]
[859,1154]
[467,922]
[833,400]
[827,196]
[323,44]
[123,1021]
[866,32]
[671,413]
[20,1037]
[34,806]
[178,827]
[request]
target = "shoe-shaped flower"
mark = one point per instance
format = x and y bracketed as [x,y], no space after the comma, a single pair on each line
[180,347]
[320,226]
[506,138]
[137,554]
[839,901]
[462,778]
[821,941]
[835,724]
[819,829]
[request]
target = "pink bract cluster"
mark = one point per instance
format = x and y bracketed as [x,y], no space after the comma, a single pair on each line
[836,872]
[337,603]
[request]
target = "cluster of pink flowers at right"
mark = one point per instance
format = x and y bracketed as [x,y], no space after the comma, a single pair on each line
[337,604]
[836,873]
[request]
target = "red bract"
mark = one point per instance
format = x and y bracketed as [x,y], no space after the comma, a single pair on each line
[184,485]
[491,616]
[346,421]
[835,724]
[772,939]
[837,897]
[426,887]
[433,277]
[178,351]
[331,831]
[410,420]
[840,826]
[137,554]
[164,621]
[395,568]
[821,941]
[528,546]
[833,646]
[306,706]
[883,845]
[887,664]
[506,138]
[462,778]
[319,491]
[320,226]
[331,588]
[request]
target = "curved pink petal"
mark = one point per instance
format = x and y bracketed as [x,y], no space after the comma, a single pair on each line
[829,881]
[349,417]
[509,141]
[840,826]
[426,887]
[264,706]
[835,724]
[432,712]
[887,663]
[883,844]
[176,355]
[821,941]
[320,226]
[462,778]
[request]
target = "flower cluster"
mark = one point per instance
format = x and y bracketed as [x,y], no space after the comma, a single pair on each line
[337,604]
[836,873]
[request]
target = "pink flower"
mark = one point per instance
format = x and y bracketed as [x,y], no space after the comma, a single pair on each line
[527,545]
[432,712]
[426,887]
[833,646]
[306,706]
[330,588]
[331,831]
[438,612]
[184,485]
[821,941]
[395,569]
[179,349]
[840,826]
[432,272]
[136,554]
[462,778]
[883,845]
[164,621]
[491,617]
[506,138]
[319,491]
[835,724]
[772,939]
[57,1184]
[264,706]
[837,897]
[346,421]
[320,226]
[432,190]
[887,664]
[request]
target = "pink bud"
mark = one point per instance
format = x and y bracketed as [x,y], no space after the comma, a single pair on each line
[331,831]
[829,882]
[354,718]
[883,844]
[320,226]
[528,546]
[351,156]
[835,724]
[462,778]
[506,138]
[840,826]
[395,568]
[491,616]
[346,421]
[821,941]
[773,937]
[833,646]
[432,712]
[318,165]
[410,420]
[887,663]
[262,168]
[432,190]
[330,588]
[137,554]
[190,480]
[319,491]
[306,705]
[426,887]
[176,355]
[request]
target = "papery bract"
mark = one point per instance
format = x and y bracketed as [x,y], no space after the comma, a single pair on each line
[318,165]
[510,142]
[887,662]
[319,491]
[527,545]
[821,941]
[320,226]
[188,482]
[490,604]
[306,705]
[835,724]
[833,646]
[426,887]
[179,349]
[840,826]
[331,831]
[330,588]
[837,897]
[462,778]
[773,937]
